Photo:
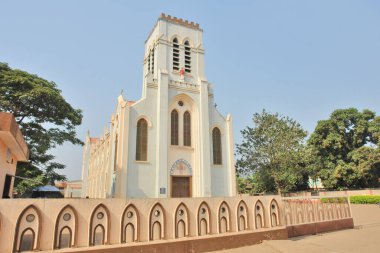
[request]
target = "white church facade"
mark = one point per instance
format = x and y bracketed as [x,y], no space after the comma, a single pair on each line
[172,142]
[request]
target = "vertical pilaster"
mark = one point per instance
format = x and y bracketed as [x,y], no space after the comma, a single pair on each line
[162,140]
[123,151]
[85,166]
[204,135]
[231,178]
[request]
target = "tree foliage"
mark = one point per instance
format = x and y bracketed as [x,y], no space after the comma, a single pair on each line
[45,118]
[345,149]
[272,153]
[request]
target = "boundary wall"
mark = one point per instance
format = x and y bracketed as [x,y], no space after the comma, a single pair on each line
[162,225]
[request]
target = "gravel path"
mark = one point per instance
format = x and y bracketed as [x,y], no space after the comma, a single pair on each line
[364,238]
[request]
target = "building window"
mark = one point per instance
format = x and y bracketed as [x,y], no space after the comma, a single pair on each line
[142,140]
[186,129]
[152,62]
[216,146]
[175,54]
[115,158]
[148,64]
[187,57]
[174,127]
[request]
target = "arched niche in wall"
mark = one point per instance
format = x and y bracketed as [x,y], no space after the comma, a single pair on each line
[346,208]
[204,221]
[130,225]
[329,211]
[157,223]
[99,225]
[182,221]
[320,211]
[299,212]
[224,218]
[65,228]
[242,216]
[310,211]
[274,213]
[288,213]
[259,213]
[338,211]
[27,230]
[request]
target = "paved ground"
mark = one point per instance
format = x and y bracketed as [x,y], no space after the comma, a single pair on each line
[364,238]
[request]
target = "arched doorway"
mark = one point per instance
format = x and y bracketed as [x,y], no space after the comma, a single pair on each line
[181,182]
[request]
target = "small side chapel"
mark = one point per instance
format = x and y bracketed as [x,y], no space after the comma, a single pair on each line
[172,142]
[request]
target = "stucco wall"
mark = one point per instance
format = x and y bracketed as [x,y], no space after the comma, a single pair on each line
[152,219]
[6,166]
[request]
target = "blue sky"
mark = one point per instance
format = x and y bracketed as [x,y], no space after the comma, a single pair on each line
[302,59]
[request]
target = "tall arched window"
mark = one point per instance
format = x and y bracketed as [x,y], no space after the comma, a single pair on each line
[187,57]
[142,140]
[216,146]
[152,62]
[174,127]
[148,63]
[175,54]
[186,129]
[115,158]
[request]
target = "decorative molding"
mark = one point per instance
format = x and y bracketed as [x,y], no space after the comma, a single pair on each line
[180,167]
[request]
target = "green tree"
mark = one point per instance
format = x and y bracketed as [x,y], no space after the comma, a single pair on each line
[45,118]
[345,149]
[273,154]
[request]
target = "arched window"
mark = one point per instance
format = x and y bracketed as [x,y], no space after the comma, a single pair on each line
[175,54]
[174,127]
[99,226]
[98,235]
[27,230]
[64,238]
[186,129]
[115,158]
[148,64]
[157,223]
[142,140]
[216,146]
[187,57]
[65,233]
[27,240]
[152,62]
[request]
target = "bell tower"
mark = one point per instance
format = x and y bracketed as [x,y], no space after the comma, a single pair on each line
[174,46]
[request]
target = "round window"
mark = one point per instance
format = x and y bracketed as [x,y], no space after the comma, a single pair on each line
[157,213]
[66,217]
[100,215]
[30,217]
[180,103]
[129,214]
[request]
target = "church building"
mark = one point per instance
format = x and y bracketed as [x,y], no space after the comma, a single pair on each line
[172,142]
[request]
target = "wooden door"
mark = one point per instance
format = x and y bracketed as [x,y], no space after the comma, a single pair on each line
[181,187]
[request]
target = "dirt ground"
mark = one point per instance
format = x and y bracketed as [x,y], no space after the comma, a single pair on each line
[364,238]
